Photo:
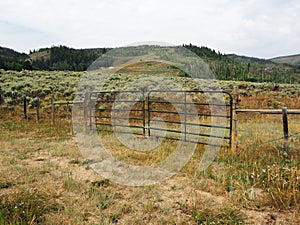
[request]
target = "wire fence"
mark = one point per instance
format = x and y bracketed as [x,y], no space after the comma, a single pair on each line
[271,128]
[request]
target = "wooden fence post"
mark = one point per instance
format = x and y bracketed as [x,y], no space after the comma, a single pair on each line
[38,104]
[68,110]
[235,100]
[25,107]
[85,110]
[52,110]
[285,127]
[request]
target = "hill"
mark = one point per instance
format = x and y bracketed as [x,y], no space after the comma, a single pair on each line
[42,54]
[249,59]
[12,60]
[244,68]
[64,58]
[7,52]
[293,60]
[223,66]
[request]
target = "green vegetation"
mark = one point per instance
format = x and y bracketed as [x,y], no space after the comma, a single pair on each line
[12,60]
[224,67]
[241,68]
[288,60]
[15,85]
[64,58]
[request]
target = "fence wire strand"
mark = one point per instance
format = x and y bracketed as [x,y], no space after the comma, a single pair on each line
[271,141]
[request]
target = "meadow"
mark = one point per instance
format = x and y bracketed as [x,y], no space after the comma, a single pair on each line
[44,179]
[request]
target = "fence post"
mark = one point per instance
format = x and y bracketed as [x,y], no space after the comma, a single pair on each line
[68,110]
[52,110]
[235,100]
[90,110]
[38,110]
[149,112]
[25,107]
[143,113]
[85,110]
[185,116]
[285,127]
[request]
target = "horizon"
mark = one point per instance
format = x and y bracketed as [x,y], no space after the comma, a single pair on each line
[78,48]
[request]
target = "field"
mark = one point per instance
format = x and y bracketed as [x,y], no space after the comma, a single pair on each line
[44,179]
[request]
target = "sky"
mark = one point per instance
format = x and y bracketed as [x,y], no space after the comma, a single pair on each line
[257,28]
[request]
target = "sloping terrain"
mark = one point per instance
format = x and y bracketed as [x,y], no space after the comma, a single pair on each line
[7,52]
[291,60]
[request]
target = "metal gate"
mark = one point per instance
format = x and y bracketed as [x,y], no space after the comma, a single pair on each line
[191,116]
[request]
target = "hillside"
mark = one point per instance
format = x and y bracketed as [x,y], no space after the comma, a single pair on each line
[290,60]
[64,58]
[249,59]
[7,52]
[223,66]
[42,54]
[12,60]
[244,68]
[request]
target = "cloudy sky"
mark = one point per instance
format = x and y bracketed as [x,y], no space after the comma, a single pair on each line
[260,28]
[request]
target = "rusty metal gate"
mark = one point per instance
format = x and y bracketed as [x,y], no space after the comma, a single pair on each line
[191,116]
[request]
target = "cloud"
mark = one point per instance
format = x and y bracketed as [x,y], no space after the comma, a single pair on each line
[258,28]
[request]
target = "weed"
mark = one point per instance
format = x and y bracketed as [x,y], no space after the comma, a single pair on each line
[104,200]
[226,216]
[114,218]
[126,209]
[24,207]
[281,182]
[75,161]
[71,184]
[6,184]
[101,183]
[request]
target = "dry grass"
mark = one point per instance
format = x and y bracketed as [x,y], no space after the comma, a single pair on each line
[43,171]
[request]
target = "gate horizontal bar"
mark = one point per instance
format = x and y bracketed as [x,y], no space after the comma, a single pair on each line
[207,135]
[188,103]
[115,117]
[190,133]
[189,114]
[119,101]
[119,110]
[169,130]
[117,125]
[115,92]
[191,124]
[121,132]
[179,139]
[191,91]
